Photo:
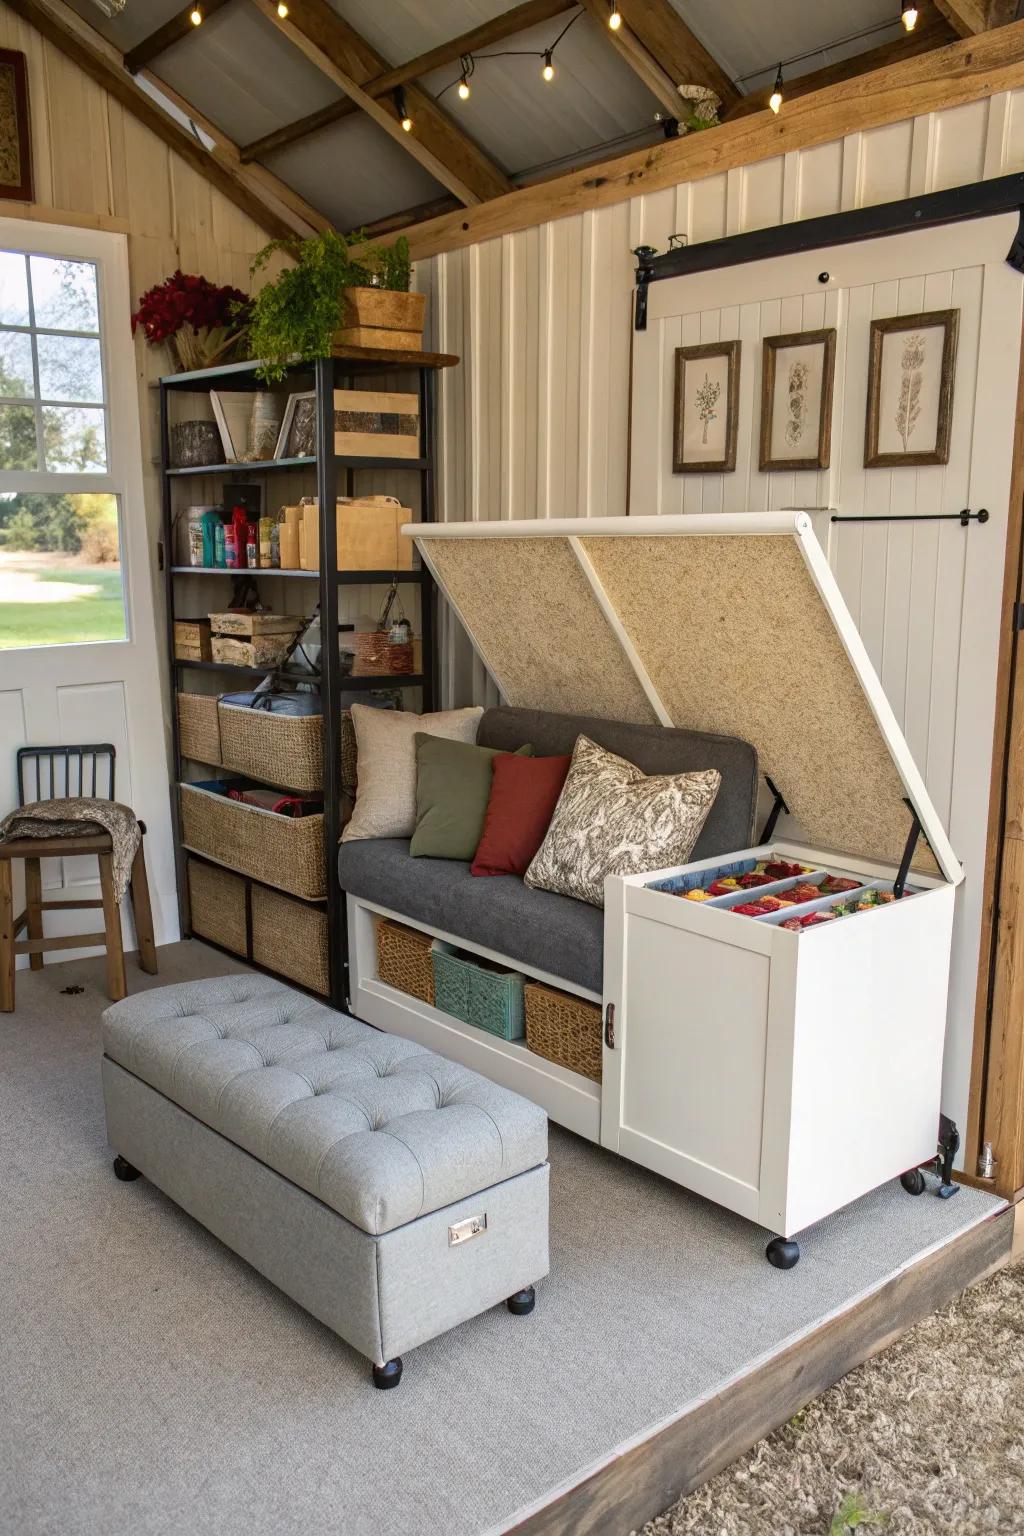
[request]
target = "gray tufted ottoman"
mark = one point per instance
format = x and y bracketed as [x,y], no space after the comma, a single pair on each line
[390,1192]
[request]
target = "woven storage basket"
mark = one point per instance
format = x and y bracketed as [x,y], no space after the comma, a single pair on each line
[283,851]
[564,1029]
[285,750]
[290,938]
[376,656]
[478,993]
[217,901]
[199,727]
[403,959]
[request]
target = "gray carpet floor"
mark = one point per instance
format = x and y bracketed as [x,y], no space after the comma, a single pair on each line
[151,1383]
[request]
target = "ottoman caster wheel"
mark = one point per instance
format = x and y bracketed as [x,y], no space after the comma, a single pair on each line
[782,1253]
[123,1170]
[913,1181]
[523,1302]
[387,1376]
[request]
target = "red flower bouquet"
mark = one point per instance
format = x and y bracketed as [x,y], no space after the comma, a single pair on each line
[203,323]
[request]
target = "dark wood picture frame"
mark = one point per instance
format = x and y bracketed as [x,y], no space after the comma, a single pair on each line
[15,126]
[772,346]
[730,350]
[949,321]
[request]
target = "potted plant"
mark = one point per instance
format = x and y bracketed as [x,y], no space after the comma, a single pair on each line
[317,302]
[201,323]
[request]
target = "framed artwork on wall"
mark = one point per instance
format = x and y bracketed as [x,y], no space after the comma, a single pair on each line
[910,389]
[15,140]
[796,400]
[706,408]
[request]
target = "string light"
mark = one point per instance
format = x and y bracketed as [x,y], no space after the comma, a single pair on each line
[908,15]
[615,17]
[282,9]
[402,110]
[548,72]
[195,16]
[775,99]
[468,61]
[467,69]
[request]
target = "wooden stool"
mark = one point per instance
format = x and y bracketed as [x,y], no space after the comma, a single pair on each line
[33,849]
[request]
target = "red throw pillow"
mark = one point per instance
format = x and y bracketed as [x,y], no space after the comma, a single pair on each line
[524,793]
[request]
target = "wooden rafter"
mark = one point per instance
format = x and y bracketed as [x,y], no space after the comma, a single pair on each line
[62,27]
[932,31]
[661,50]
[969,17]
[165,37]
[508,24]
[438,143]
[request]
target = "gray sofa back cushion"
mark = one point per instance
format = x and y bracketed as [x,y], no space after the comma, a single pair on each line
[655,749]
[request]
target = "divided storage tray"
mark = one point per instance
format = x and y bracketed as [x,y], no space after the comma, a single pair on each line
[283,851]
[271,929]
[478,993]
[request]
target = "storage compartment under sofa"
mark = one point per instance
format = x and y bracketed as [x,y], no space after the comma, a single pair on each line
[403,959]
[282,851]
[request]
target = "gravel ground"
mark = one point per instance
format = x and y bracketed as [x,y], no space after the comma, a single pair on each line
[927,1437]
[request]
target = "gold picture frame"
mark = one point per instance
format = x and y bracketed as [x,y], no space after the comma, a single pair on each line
[910,389]
[800,415]
[706,408]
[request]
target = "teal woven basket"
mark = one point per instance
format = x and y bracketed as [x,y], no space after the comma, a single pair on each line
[477,993]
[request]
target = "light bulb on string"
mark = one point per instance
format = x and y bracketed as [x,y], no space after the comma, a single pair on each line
[908,15]
[464,88]
[615,18]
[402,110]
[467,69]
[282,9]
[548,72]
[195,16]
[775,99]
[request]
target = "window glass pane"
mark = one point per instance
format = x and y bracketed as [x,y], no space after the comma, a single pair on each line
[69,368]
[18,449]
[16,364]
[64,294]
[60,571]
[13,289]
[73,439]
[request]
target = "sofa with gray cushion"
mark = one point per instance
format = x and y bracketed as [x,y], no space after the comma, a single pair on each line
[552,933]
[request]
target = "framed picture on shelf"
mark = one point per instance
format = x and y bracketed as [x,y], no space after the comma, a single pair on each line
[297,439]
[707,382]
[15,140]
[796,400]
[232,411]
[910,389]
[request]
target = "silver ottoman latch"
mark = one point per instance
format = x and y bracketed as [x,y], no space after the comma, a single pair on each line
[462,1231]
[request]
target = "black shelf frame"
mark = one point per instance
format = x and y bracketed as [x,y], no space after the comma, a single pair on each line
[334,475]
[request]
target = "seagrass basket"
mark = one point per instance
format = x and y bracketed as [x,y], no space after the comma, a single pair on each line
[285,750]
[290,938]
[216,900]
[564,1029]
[282,851]
[403,959]
[199,727]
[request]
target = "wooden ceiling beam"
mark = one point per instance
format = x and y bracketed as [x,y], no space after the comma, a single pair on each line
[530,14]
[932,31]
[166,36]
[964,71]
[66,30]
[436,141]
[969,17]
[661,50]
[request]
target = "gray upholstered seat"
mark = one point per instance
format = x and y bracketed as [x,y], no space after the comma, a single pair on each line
[373,1125]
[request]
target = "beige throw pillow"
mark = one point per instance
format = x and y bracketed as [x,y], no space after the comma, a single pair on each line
[386,796]
[613,819]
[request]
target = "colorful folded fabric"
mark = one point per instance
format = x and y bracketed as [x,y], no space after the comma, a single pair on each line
[752,909]
[723,887]
[749,881]
[697,895]
[778,869]
[833,884]
[804,892]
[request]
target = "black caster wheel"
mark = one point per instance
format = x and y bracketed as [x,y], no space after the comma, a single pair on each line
[782,1253]
[523,1302]
[913,1181]
[123,1169]
[387,1376]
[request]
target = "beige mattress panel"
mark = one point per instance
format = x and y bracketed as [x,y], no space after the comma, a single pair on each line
[537,626]
[735,638]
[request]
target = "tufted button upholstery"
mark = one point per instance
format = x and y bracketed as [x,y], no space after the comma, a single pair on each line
[373,1125]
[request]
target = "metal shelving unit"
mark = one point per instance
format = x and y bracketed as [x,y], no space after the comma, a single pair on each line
[334,475]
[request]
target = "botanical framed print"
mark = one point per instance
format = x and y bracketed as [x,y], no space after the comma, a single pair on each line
[910,389]
[15,142]
[796,400]
[706,408]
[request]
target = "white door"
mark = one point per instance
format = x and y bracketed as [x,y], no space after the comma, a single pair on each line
[924,593]
[78,650]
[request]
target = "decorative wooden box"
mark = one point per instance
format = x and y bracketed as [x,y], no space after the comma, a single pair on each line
[192,639]
[376,425]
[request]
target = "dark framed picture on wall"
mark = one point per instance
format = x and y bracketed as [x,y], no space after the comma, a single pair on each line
[15,140]
[706,408]
[796,400]
[910,389]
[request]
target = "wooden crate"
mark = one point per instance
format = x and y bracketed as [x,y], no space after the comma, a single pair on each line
[192,640]
[247,624]
[260,651]
[376,424]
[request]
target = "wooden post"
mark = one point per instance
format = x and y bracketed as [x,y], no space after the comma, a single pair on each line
[6,938]
[116,983]
[142,911]
[33,907]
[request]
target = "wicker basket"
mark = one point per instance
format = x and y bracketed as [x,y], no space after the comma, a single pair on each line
[478,992]
[403,959]
[286,750]
[349,755]
[283,851]
[377,656]
[290,938]
[564,1029]
[217,901]
[199,727]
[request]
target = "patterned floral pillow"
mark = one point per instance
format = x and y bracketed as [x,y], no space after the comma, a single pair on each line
[613,819]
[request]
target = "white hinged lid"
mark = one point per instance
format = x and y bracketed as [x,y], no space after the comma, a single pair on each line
[731,623]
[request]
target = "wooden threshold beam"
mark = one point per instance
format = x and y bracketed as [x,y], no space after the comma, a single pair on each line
[62,27]
[508,24]
[964,71]
[165,37]
[436,141]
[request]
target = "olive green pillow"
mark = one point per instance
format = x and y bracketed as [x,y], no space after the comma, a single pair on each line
[453,785]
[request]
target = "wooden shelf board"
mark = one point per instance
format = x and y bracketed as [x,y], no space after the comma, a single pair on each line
[349,578]
[350,461]
[379,357]
[348,684]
